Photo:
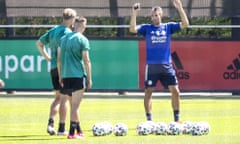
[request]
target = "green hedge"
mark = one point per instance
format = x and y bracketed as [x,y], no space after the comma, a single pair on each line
[210,33]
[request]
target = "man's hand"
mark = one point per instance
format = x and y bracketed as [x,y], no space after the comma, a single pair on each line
[177,4]
[60,82]
[133,25]
[136,7]
[89,84]
[184,19]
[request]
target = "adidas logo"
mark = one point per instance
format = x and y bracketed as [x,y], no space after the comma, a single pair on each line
[177,62]
[178,66]
[235,66]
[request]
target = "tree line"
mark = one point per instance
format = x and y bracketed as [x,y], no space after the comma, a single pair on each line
[196,33]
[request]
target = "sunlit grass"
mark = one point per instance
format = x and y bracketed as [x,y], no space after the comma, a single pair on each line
[24,120]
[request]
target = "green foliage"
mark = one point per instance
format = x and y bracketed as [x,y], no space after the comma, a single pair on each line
[2,30]
[33,32]
[101,32]
[207,33]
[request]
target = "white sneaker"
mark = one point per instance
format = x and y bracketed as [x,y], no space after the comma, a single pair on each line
[65,133]
[51,130]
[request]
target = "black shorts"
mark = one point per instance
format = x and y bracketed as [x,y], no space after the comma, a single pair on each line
[55,79]
[72,84]
[165,73]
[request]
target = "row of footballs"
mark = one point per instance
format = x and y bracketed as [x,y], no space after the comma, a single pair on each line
[150,127]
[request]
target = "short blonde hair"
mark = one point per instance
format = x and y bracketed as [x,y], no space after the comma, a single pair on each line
[69,13]
[80,19]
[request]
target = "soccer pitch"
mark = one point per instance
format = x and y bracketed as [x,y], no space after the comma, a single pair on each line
[23,119]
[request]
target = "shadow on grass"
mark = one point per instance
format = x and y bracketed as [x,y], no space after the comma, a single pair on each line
[30,137]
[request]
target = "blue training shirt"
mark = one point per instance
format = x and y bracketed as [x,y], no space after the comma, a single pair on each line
[158,41]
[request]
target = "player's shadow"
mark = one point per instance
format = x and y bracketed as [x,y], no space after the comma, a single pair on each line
[29,137]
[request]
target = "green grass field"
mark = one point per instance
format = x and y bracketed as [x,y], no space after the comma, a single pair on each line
[23,120]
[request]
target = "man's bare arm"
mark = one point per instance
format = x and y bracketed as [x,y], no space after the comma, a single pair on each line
[133,23]
[183,16]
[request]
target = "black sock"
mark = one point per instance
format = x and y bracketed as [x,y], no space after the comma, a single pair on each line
[176,115]
[78,128]
[149,116]
[72,127]
[61,127]
[51,122]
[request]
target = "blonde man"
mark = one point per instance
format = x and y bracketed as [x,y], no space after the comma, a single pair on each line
[52,38]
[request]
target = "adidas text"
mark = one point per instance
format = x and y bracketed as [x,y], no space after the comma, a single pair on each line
[231,75]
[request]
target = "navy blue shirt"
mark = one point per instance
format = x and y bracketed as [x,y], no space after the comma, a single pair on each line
[158,41]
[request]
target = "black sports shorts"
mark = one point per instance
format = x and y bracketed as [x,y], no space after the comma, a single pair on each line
[72,84]
[165,73]
[55,79]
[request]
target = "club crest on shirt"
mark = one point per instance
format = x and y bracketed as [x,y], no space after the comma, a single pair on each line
[158,36]
[149,82]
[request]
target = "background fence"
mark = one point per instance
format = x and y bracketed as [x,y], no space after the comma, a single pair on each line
[116,8]
[117,13]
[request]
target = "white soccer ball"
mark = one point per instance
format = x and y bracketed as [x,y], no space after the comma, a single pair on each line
[161,128]
[198,129]
[108,127]
[206,127]
[120,129]
[102,128]
[151,125]
[98,129]
[144,128]
[187,127]
[174,128]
